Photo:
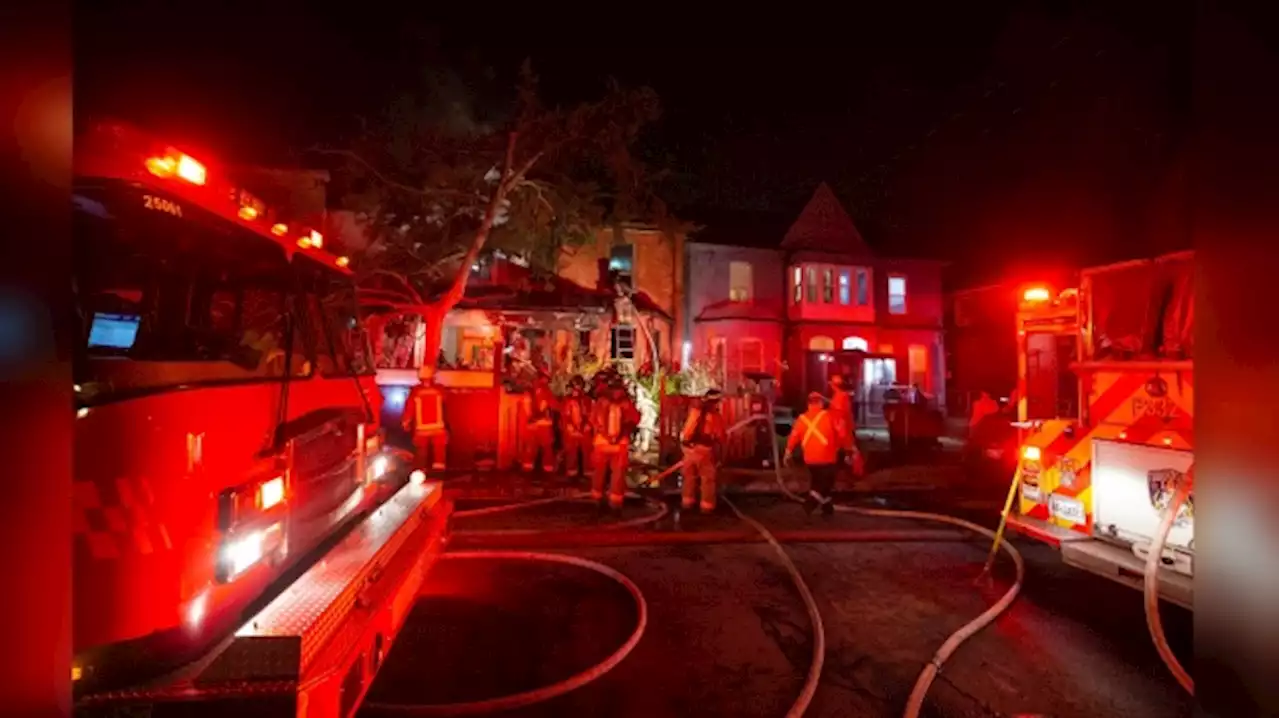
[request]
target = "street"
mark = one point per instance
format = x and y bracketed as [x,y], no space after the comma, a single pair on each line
[728,634]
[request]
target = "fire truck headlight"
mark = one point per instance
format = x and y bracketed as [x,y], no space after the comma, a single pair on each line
[1031,453]
[243,553]
[418,477]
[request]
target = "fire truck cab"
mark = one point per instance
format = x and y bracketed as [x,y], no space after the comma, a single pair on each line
[1105,406]
[242,543]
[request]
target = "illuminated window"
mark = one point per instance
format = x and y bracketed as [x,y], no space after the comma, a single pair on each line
[897,295]
[739,281]
[828,291]
[811,284]
[918,365]
[797,284]
[844,287]
[864,286]
[822,344]
[854,343]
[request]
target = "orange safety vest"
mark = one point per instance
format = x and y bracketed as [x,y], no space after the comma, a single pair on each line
[428,407]
[815,432]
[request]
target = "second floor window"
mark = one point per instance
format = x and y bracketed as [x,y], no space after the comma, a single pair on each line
[864,286]
[811,284]
[844,287]
[897,295]
[828,291]
[621,257]
[797,280]
[740,281]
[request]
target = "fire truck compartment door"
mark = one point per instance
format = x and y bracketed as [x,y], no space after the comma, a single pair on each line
[1132,483]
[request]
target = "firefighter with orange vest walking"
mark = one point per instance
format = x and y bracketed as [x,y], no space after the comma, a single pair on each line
[817,433]
[613,420]
[575,428]
[540,436]
[424,415]
[701,438]
[841,407]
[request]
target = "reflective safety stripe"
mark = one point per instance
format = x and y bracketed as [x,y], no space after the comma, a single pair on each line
[439,422]
[811,429]
[615,420]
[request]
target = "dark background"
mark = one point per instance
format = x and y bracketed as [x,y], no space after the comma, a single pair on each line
[1004,136]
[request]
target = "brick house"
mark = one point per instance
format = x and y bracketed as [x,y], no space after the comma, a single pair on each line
[801,297]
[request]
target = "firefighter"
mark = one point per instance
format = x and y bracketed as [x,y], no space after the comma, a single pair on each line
[539,405]
[701,439]
[614,419]
[817,434]
[575,425]
[424,415]
[841,407]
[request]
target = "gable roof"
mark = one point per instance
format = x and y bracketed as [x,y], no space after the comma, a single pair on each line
[824,225]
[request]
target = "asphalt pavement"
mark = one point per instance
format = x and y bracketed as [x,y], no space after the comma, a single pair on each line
[728,634]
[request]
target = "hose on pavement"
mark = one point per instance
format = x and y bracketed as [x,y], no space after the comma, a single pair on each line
[916,700]
[546,693]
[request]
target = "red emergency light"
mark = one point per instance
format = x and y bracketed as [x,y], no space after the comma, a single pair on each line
[1036,294]
[176,164]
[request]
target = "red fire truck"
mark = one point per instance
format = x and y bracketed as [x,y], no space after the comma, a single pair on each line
[227,437]
[1105,389]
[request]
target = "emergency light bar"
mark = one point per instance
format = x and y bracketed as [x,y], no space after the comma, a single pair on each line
[176,164]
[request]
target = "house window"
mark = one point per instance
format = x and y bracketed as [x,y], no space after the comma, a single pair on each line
[854,343]
[822,344]
[844,287]
[886,349]
[740,281]
[864,286]
[752,351]
[622,342]
[918,365]
[897,295]
[811,284]
[718,359]
[828,291]
[798,284]
[621,259]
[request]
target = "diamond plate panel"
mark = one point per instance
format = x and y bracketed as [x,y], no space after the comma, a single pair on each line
[307,614]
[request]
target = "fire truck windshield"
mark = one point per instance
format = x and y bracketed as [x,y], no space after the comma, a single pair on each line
[179,297]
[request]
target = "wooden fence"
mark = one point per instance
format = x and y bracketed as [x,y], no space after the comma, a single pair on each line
[741,445]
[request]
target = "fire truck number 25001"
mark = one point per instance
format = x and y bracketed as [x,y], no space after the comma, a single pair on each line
[160,204]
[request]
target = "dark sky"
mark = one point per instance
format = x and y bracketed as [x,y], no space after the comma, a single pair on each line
[998,135]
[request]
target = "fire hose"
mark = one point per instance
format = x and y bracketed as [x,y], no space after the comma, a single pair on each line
[916,700]
[1151,582]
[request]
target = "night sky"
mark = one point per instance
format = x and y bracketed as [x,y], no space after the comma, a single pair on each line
[1001,136]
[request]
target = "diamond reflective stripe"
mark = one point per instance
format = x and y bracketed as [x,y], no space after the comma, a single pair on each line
[112,520]
[811,429]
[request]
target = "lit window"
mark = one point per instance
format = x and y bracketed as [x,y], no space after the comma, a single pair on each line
[828,292]
[798,284]
[621,257]
[821,344]
[844,287]
[897,295]
[854,343]
[864,285]
[918,365]
[739,281]
[811,284]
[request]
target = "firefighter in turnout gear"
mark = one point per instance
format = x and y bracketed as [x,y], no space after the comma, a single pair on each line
[614,419]
[701,439]
[424,416]
[575,428]
[817,434]
[841,408]
[539,405]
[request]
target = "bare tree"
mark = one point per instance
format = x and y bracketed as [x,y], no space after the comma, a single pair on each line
[435,193]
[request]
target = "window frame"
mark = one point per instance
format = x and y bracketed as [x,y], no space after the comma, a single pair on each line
[889,287]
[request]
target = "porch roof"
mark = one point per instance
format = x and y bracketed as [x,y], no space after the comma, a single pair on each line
[551,294]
